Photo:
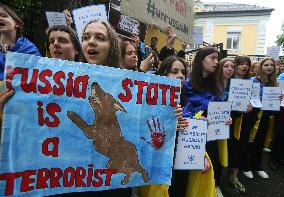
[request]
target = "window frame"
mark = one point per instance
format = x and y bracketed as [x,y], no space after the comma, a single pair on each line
[231,36]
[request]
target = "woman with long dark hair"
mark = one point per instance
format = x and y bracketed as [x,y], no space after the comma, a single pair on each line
[204,86]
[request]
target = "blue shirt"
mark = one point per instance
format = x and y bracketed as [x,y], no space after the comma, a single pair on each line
[23,45]
[197,101]
[281,76]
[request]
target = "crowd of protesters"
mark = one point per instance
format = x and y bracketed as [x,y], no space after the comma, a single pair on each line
[208,81]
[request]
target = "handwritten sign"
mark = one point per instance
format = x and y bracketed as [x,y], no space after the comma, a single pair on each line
[197,35]
[55,18]
[86,14]
[271,98]
[255,96]
[124,24]
[74,127]
[176,13]
[281,86]
[190,150]
[273,52]
[240,93]
[218,114]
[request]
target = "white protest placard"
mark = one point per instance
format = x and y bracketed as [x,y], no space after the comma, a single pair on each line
[161,14]
[86,14]
[240,93]
[190,150]
[124,24]
[197,35]
[255,96]
[273,52]
[281,86]
[55,18]
[128,24]
[271,98]
[218,113]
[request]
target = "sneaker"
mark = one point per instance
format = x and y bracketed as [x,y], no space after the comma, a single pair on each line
[237,185]
[267,150]
[262,174]
[248,174]
[218,192]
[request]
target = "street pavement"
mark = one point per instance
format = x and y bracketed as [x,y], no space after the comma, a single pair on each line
[257,187]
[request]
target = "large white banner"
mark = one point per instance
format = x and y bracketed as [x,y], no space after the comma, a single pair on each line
[176,13]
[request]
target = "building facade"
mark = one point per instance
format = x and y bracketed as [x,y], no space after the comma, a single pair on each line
[240,27]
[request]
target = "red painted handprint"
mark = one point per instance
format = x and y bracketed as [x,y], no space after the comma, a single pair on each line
[157,136]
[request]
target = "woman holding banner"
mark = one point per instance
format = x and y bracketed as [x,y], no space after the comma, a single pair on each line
[239,138]
[203,87]
[174,67]
[101,45]
[11,38]
[277,150]
[266,76]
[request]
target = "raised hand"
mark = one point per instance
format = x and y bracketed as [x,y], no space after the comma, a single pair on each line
[171,37]
[135,40]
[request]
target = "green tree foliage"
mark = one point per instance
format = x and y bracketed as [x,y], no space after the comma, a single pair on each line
[280,38]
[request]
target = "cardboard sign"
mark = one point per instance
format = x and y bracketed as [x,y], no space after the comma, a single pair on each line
[255,96]
[271,98]
[176,13]
[124,24]
[55,18]
[218,114]
[281,86]
[190,150]
[86,14]
[273,52]
[197,35]
[74,127]
[240,93]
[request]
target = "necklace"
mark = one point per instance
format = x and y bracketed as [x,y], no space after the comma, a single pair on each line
[5,47]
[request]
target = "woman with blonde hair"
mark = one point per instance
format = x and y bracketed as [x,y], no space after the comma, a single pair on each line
[266,76]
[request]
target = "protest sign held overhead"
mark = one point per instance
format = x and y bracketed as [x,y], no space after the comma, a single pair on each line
[218,114]
[121,135]
[240,93]
[176,13]
[198,35]
[124,24]
[55,18]
[191,143]
[273,52]
[86,14]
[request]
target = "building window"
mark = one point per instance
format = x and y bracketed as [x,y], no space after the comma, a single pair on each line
[233,40]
